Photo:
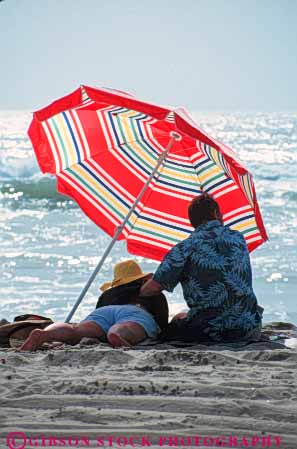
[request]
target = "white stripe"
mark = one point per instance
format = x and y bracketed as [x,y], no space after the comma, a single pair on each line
[152,156]
[170,157]
[223,192]
[170,193]
[197,159]
[103,127]
[254,239]
[186,166]
[243,227]
[52,145]
[118,131]
[157,244]
[157,212]
[82,133]
[128,166]
[138,209]
[106,192]
[164,228]
[58,144]
[73,129]
[209,185]
[113,182]
[164,238]
[247,234]
[237,210]
[237,217]
[181,228]
[118,155]
[90,199]
[85,104]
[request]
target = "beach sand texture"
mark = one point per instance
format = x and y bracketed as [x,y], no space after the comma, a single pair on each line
[94,391]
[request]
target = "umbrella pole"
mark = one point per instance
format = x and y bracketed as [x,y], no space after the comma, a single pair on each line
[174,136]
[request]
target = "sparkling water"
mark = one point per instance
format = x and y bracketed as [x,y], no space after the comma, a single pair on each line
[48,247]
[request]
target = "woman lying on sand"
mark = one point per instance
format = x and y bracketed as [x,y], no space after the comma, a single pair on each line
[121,317]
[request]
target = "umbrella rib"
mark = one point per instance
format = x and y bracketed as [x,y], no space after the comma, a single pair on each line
[120,228]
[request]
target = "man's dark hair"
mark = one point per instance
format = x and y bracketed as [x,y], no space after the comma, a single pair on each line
[202,209]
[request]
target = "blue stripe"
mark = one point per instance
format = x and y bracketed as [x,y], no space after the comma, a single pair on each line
[105,186]
[138,215]
[209,189]
[241,219]
[72,135]
[178,228]
[176,186]
[200,164]
[250,187]
[142,167]
[143,138]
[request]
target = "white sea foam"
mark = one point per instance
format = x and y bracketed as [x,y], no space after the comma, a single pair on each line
[48,247]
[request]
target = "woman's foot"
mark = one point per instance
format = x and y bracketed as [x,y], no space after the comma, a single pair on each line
[33,342]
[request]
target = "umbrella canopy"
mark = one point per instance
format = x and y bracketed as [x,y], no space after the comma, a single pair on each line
[103,145]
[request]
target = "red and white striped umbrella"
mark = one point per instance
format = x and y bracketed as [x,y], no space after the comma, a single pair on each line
[109,149]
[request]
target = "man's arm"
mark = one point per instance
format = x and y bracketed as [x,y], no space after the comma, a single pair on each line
[168,273]
[150,288]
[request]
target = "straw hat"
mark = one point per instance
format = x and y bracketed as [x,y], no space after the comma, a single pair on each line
[123,273]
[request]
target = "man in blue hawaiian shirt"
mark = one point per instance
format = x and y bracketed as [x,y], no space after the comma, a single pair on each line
[213,267]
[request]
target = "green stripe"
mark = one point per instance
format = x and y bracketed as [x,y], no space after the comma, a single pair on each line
[249,229]
[60,139]
[180,181]
[95,193]
[220,175]
[209,167]
[137,228]
[145,147]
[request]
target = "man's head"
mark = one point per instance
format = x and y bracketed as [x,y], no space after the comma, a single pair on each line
[202,209]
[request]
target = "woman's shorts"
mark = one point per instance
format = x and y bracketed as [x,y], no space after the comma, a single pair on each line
[107,316]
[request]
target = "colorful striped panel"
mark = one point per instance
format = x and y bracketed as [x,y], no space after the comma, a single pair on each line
[103,149]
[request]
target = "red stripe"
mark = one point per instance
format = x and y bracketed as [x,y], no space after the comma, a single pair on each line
[78,132]
[67,102]
[41,147]
[158,215]
[115,147]
[71,192]
[48,127]
[110,183]
[158,112]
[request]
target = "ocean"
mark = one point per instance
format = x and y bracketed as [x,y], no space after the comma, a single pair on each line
[48,247]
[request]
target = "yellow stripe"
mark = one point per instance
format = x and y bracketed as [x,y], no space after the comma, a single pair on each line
[90,180]
[68,142]
[214,154]
[165,231]
[125,123]
[178,174]
[247,189]
[245,224]
[208,173]
[129,137]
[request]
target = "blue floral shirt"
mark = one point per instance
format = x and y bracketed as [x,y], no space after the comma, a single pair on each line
[213,267]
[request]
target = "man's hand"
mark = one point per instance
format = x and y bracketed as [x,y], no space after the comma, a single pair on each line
[150,288]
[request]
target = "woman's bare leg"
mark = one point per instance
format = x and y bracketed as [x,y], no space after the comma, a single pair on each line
[63,332]
[125,334]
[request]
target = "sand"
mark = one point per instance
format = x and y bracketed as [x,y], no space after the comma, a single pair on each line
[83,393]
